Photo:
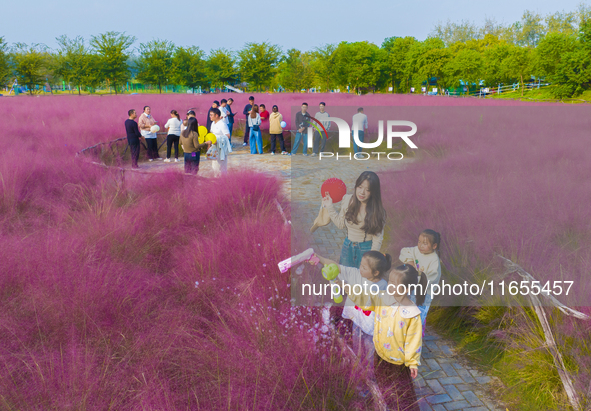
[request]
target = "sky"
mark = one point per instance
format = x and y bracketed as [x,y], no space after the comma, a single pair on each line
[303,24]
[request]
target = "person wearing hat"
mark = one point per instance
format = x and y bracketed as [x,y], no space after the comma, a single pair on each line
[246,112]
[215,104]
[276,131]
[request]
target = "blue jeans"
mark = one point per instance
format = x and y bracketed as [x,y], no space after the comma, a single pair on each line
[230,127]
[424,309]
[351,253]
[192,162]
[256,141]
[319,140]
[296,143]
[356,148]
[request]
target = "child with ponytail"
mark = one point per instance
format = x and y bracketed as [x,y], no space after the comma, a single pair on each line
[397,336]
[425,258]
[373,269]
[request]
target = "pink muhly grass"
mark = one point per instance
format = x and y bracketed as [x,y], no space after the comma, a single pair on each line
[98,294]
[507,181]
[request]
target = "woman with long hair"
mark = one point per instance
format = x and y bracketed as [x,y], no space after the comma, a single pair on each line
[364,217]
[191,146]
[256,137]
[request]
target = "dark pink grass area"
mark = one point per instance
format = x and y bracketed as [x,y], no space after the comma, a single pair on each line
[100,306]
[98,294]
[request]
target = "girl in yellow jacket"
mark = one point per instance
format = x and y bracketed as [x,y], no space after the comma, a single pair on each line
[397,336]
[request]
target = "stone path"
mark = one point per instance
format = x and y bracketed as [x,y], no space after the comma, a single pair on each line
[445,381]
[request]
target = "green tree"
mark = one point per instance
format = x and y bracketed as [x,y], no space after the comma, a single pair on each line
[528,31]
[323,66]
[517,64]
[188,67]
[561,22]
[429,60]
[257,63]
[467,65]
[5,70]
[450,32]
[155,64]
[359,65]
[550,51]
[397,49]
[493,73]
[73,62]
[113,49]
[220,68]
[294,71]
[573,70]
[30,65]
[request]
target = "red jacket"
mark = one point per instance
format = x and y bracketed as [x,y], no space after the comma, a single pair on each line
[264,119]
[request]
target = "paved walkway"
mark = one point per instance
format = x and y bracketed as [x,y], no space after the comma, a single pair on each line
[445,381]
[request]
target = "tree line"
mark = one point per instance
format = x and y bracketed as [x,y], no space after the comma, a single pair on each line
[555,48]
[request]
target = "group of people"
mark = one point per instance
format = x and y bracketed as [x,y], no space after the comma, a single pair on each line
[220,121]
[258,118]
[386,328]
[186,133]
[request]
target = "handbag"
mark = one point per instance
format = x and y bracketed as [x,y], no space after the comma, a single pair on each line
[255,127]
[212,153]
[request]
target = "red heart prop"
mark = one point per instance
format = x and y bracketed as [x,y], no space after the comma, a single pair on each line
[335,187]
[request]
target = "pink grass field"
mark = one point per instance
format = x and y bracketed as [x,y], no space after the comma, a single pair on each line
[97,293]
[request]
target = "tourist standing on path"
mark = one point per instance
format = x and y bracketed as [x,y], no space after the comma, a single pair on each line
[264,117]
[364,217]
[191,146]
[133,137]
[174,134]
[146,122]
[256,136]
[320,138]
[276,130]
[215,104]
[360,120]
[230,117]
[397,336]
[222,134]
[302,122]
[246,112]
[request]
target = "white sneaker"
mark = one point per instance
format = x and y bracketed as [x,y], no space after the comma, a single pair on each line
[176,160]
[151,159]
[273,153]
[313,154]
[243,144]
[284,153]
[167,160]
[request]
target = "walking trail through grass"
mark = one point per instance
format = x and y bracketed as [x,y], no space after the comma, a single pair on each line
[446,381]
